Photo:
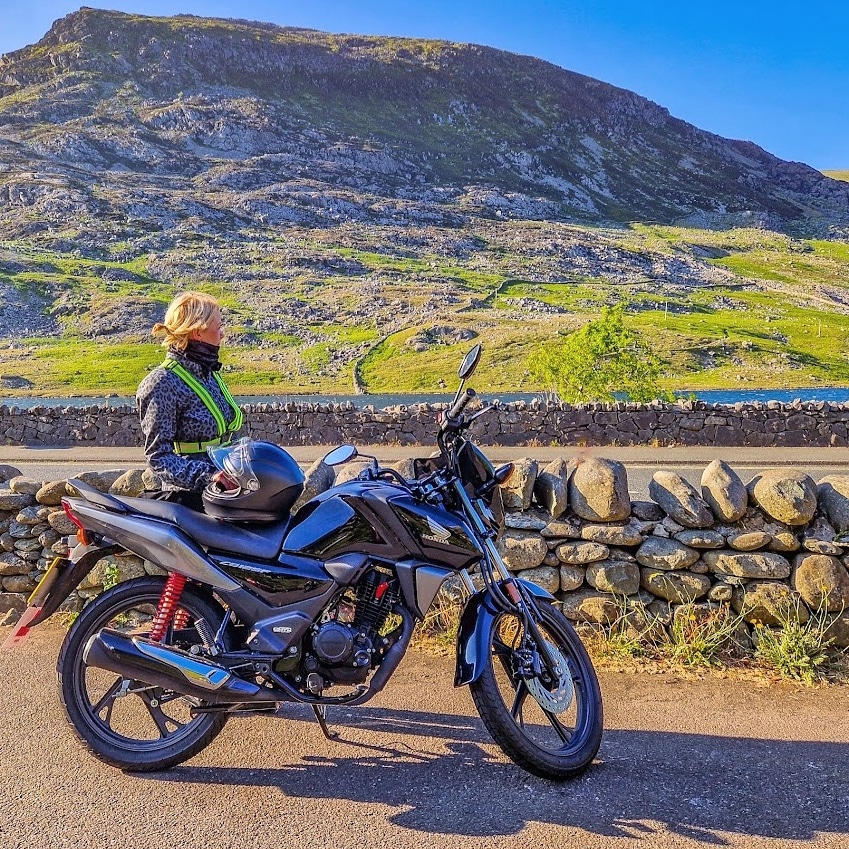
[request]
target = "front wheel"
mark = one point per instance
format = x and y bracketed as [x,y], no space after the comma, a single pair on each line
[127,723]
[550,728]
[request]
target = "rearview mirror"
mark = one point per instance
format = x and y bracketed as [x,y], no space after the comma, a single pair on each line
[340,455]
[470,363]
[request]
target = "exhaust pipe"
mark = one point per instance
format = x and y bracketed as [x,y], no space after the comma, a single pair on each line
[172,669]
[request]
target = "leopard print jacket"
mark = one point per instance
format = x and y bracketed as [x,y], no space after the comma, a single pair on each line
[171,412]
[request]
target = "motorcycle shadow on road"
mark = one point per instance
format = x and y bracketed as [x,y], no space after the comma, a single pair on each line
[435,770]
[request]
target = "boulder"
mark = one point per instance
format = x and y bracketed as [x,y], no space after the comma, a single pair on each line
[581,553]
[614,576]
[676,587]
[518,491]
[628,535]
[749,540]
[16,602]
[151,480]
[784,542]
[11,564]
[763,564]
[665,554]
[787,495]
[406,468]
[837,630]
[591,606]
[721,592]
[833,498]
[61,523]
[821,581]
[561,529]
[648,511]
[14,501]
[130,484]
[350,471]
[724,492]
[701,538]
[819,546]
[318,478]
[18,584]
[521,550]
[51,493]
[598,490]
[100,480]
[8,472]
[679,500]
[24,485]
[571,577]
[551,489]
[546,577]
[769,603]
[29,516]
[532,520]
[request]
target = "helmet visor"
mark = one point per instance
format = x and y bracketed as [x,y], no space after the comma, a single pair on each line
[236,462]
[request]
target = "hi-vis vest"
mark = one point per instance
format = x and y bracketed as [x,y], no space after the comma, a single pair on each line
[225,430]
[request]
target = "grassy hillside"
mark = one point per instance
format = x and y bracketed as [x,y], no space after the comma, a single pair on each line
[722,308]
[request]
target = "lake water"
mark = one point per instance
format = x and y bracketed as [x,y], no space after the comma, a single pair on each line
[835,395]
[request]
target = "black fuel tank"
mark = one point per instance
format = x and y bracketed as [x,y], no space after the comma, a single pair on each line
[381,519]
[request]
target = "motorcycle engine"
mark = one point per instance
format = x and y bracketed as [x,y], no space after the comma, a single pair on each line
[347,644]
[336,644]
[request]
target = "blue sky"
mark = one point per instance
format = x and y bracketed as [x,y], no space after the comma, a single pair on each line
[776,73]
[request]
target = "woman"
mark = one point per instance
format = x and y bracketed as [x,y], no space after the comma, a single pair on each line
[184,405]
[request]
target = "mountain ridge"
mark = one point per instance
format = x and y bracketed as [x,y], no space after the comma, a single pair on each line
[471,121]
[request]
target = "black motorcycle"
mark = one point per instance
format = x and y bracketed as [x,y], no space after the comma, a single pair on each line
[260,606]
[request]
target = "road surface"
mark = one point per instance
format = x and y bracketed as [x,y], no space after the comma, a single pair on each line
[684,763]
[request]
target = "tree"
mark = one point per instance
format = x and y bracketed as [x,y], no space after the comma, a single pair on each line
[601,358]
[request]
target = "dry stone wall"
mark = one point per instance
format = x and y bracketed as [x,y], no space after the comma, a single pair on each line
[535,423]
[770,547]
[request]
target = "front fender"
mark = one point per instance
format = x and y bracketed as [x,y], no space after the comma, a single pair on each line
[476,624]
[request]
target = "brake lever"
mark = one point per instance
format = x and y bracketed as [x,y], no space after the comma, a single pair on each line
[480,412]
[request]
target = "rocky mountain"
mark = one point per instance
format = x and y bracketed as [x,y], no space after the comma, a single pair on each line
[141,122]
[139,154]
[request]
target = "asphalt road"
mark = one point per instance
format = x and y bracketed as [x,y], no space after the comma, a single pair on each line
[684,763]
[640,462]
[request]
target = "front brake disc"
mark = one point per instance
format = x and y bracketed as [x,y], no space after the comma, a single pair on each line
[557,698]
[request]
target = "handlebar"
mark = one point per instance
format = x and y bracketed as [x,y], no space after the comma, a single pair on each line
[460,404]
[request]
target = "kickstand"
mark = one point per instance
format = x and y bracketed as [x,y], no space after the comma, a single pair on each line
[320,712]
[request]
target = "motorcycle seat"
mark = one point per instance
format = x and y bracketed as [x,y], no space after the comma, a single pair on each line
[260,541]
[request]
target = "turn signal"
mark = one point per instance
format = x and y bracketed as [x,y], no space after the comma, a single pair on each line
[83,536]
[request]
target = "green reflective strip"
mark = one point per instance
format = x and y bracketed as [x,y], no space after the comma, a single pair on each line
[198,447]
[236,424]
[203,393]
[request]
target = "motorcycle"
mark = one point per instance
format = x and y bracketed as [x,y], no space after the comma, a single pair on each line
[260,606]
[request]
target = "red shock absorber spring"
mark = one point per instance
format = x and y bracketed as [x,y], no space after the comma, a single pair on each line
[167,607]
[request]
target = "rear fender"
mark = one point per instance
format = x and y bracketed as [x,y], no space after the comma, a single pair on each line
[49,594]
[56,585]
[476,624]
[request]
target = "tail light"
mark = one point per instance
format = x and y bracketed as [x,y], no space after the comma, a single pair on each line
[83,536]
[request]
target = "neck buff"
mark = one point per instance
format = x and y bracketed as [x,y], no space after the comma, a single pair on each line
[203,353]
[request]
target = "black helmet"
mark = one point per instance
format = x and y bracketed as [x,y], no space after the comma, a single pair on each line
[269,482]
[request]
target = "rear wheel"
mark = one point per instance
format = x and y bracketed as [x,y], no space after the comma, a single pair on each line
[127,723]
[550,728]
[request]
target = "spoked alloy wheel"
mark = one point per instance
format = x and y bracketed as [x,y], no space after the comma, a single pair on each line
[127,723]
[550,728]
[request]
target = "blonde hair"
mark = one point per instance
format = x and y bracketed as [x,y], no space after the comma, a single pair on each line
[188,312]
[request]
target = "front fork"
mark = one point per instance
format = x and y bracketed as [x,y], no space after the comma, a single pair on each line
[521,599]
